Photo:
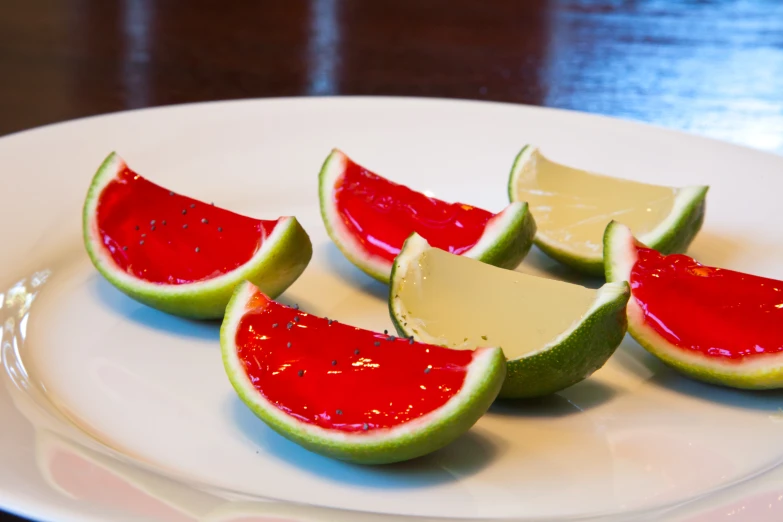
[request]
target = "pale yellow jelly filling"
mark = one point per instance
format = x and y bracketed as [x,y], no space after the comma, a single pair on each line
[454,301]
[573,207]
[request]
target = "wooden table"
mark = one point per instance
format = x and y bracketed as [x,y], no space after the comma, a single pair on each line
[714,68]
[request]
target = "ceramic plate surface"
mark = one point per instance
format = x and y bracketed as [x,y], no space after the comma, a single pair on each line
[113,411]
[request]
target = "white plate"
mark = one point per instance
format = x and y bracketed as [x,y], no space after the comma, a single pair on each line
[113,411]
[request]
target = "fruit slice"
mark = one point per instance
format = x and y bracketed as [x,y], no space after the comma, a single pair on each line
[369,217]
[572,208]
[554,334]
[180,255]
[349,393]
[712,324]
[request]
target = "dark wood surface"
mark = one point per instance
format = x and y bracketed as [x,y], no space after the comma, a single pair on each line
[714,68]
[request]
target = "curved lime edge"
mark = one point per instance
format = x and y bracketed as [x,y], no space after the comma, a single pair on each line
[505,241]
[764,373]
[413,439]
[584,347]
[282,258]
[672,235]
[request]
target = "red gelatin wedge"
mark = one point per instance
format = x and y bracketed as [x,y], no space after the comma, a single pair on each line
[350,393]
[714,324]
[181,255]
[370,217]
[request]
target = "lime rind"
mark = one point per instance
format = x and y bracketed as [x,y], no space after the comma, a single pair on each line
[675,233]
[758,373]
[506,239]
[505,242]
[418,437]
[571,357]
[583,349]
[280,260]
[672,235]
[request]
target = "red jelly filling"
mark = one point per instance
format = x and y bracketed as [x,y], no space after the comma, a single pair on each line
[717,312]
[163,237]
[341,377]
[382,214]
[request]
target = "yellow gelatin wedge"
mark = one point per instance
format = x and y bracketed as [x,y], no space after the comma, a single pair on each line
[572,208]
[553,334]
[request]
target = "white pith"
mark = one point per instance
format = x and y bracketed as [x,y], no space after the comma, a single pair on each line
[416,246]
[622,256]
[334,169]
[683,199]
[477,371]
[495,229]
[108,173]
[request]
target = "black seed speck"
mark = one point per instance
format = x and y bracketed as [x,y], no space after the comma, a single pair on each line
[356,351]
[198,249]
[184,211]
[137,227]
[386,332]
[171,193]
[152,228]
[152,222]
[164,222]
[410,340]
[296,307]
[212,203]
[125,248]
[289,325]
[426,370]
[220,229]
[390,338]
[377,343]
[365,427]
[296,319]
[334,363]
[192,205]
[329,321]
[274,325]
[288,344]
[185,225]
[204,220]
[301,372]
[141,242]
[339,412]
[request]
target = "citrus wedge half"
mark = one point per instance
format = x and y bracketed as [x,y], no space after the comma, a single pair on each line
[572,208]
[369,217]
[553,334]
[712,324]
[349,393]
[180,255]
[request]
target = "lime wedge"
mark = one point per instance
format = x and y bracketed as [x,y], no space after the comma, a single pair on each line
[180,255]
[348,393]
[553,334]
[369,217]
[712,324]
[572,207]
